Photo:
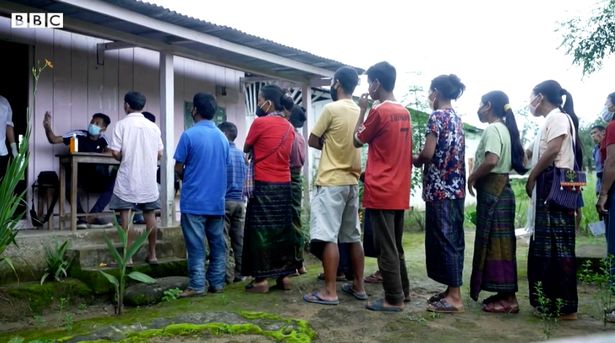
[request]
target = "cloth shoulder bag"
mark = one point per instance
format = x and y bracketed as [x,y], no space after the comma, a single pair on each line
[566,186]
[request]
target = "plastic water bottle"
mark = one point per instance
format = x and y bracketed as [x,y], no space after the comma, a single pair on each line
[73,146]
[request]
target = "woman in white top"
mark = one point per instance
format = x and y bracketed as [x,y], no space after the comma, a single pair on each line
[551,260]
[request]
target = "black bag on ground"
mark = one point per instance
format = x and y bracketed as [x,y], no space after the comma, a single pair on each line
[46,180]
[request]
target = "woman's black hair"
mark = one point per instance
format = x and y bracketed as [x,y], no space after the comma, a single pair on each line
[448,86]
[501,108]
[552,91]
[274,94]
[612,98]
[287,101]
[297,116]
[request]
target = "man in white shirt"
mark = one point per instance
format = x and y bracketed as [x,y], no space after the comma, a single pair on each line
[137,144]
[6,121]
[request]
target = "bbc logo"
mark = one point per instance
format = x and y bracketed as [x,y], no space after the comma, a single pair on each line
[37,20]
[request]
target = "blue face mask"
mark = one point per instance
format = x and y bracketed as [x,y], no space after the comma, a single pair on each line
[94,130]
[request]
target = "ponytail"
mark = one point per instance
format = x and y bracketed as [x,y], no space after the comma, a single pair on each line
[568,108]
[501,108]
[517,152]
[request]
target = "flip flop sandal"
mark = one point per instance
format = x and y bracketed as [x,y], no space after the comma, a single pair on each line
[491,299]
[442,306]
[153,262]
[373,278]
[501,307]
[252,288]
[283,284]
[378,305]
[347,288]
[437,297]
[316,298]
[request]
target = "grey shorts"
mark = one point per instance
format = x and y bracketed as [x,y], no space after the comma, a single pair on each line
[335,214]
[118,204]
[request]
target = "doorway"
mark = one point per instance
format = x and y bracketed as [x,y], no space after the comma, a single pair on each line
[15,85]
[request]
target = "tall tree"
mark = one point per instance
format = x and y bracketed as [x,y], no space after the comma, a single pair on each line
[590,40]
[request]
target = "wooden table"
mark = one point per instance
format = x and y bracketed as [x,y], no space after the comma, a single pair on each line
[73,161]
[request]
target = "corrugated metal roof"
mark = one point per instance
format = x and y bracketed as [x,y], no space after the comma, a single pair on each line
[181,45]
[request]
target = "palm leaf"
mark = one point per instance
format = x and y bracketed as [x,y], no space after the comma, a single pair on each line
[138,276]
[116,255]
[112,279]
[137,244]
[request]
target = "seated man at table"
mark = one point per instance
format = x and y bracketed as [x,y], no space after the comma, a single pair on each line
[95,178]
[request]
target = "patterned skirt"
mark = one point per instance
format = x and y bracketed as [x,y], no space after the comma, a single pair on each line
[551,267]
[297,197]
[494,267]
[270,241]
[444,241]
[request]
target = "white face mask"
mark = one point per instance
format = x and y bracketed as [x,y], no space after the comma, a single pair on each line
[606,115]
[533,106]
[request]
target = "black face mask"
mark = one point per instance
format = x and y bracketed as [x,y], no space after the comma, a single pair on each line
[334,94]
[260,112]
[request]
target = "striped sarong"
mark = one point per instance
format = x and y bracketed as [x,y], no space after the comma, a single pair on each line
[297,196]
[444,241]
[494,266]
[551,257]
[270,242]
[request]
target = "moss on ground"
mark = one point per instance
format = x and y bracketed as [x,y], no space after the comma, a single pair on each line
[294,331]
[41,297]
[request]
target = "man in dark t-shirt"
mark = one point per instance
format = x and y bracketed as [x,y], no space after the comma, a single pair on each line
[95,178]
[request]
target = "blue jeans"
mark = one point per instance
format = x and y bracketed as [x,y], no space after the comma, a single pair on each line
[195,228]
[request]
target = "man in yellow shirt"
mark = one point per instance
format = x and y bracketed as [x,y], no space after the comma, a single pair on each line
[334,212]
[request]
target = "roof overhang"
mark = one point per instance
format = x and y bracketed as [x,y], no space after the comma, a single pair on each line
[135,23]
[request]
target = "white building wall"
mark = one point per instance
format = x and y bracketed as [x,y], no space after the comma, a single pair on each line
[78,86]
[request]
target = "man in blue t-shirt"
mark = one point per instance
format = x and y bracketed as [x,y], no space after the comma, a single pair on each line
[235,205]
[201,161]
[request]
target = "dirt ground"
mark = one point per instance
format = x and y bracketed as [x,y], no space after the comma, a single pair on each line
[350,321]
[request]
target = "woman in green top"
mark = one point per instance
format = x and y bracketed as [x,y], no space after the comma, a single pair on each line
[494,267]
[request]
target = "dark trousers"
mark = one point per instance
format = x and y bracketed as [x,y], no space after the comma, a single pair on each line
[4,161]
[101,183]
[388,227]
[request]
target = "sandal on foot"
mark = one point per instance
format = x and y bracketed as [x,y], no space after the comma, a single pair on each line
[347,288]
[261,288]
[373,278]
[316,298]
[491,299]
[283,284]
[442,306]
[151,262]
[437,297]
[501,307]
[378,305]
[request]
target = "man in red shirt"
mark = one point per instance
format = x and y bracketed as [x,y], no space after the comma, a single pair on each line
[388,131]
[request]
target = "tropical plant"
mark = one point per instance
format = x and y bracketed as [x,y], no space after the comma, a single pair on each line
[122,263]
[10,213]
[57,262]
[603,280]
[550,319]
[171,294]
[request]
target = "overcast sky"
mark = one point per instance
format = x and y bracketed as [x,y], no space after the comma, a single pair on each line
[505,45]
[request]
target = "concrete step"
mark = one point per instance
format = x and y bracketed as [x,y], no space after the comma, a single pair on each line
[91,276]
[92,255]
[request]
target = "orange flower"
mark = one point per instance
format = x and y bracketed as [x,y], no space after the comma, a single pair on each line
[48,63]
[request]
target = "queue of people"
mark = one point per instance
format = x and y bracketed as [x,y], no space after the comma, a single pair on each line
[241,208]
